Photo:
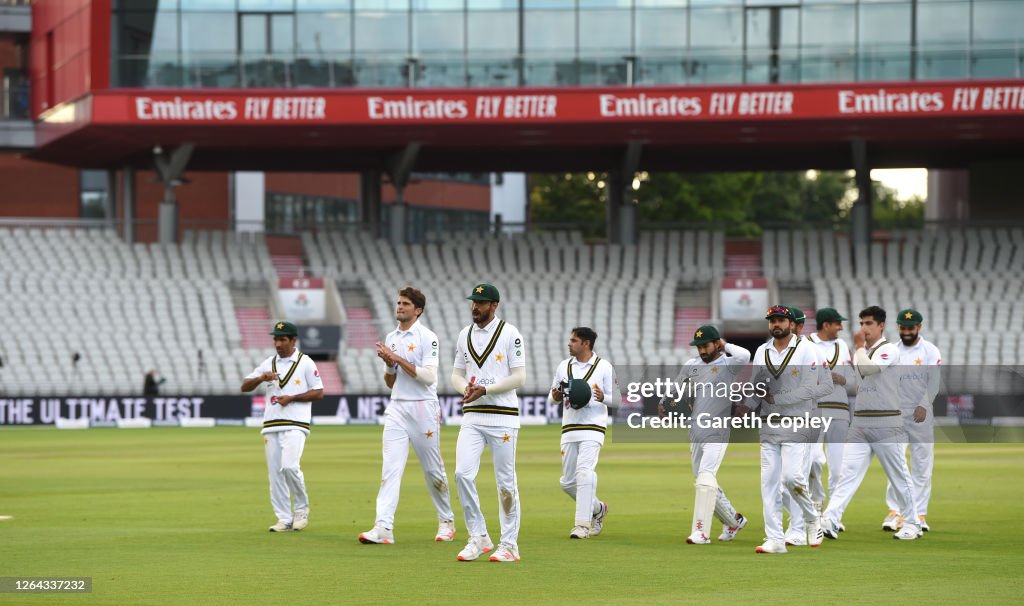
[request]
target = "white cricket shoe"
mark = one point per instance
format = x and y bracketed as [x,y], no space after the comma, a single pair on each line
[840,527]
[506,553]
[281,527]
[698,538]
[378,535]
[909,532]
[815,534]
[476,547]
[923,523]
[729,532]
[445,531]
[580,532]
[892,522]
[597,523]
[795,539]
[830,529]
[301,520]
[771,546]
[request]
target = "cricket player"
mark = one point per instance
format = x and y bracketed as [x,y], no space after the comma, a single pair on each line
[876,429]
[718,363]
[919,384]
[796,534]
[839,361]
[787,365]
[584,424]
[492,354]
[410,356]
[293,383]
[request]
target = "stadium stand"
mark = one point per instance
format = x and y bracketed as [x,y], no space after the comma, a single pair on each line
[127,308]
[550,282]
[124,309]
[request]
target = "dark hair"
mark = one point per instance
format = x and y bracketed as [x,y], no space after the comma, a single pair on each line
[417,297]
[585,334]
[875,312]
[819,324]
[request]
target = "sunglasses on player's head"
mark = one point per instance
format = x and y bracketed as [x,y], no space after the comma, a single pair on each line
[777,310]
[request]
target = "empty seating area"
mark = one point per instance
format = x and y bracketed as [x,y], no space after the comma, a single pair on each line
[549,283]
[123,309]
[967,283]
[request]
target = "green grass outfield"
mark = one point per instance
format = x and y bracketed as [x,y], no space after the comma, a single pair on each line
[171,515]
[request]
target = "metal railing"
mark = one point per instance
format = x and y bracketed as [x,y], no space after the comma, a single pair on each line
[692,66]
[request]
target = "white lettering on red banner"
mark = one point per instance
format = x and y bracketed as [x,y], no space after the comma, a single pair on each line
[565,104]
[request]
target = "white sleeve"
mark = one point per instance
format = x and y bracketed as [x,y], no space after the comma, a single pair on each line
[458,380]
[515,353]
[264,367]
[460,356]
[430,349]
[514,381]
[313,380]
[738,356]
[426,375]
[612,397]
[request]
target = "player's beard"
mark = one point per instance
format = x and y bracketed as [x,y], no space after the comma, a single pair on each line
[711,357]
[783,333]
[908,340]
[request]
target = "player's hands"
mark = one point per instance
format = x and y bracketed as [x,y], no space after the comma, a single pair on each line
[268,376]
[661,409]
[838,378]
[473,392]
[385,354]
[284,400]
[740,410]
[556,394]
[859,339]
[769,398]
[597,392]
[919,414]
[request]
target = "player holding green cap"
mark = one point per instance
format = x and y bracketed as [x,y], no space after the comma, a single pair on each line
[584,423]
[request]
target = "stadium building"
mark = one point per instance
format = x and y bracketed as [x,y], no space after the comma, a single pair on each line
[248,159]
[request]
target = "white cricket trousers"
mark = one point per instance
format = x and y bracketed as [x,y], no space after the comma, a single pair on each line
[922,461]
[579,478]
[418,423]
[835,443]
[287,485]
[784,466]
[468,450]
[707,457]
[889,445]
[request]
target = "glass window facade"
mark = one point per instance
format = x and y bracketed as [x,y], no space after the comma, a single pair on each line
[502,43]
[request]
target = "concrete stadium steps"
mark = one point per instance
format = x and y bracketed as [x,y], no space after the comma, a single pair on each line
[288,266]
[688,319]
[254,324]
[362,329]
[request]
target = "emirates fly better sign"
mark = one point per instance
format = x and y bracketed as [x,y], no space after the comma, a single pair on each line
[663,104]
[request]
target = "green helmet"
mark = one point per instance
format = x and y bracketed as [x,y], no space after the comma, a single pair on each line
[579,393]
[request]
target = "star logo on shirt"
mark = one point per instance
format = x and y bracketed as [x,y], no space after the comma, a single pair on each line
[908,315]
[498,357]
[506,438]
[298,381]
[430,434]
[412,347]
[917,362]
[795,372]
[714,370]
